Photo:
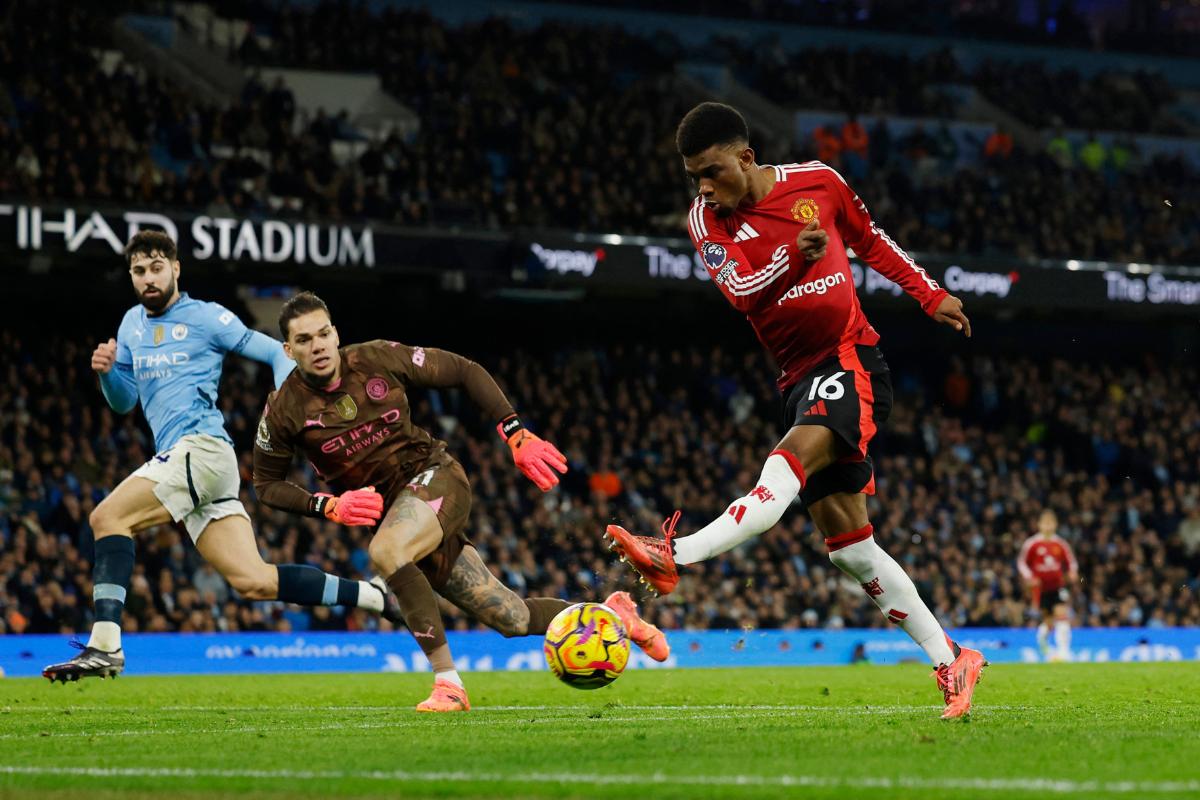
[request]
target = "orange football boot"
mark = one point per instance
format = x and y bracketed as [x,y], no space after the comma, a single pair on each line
[446,696]
[654,559]
[644,635]
[957,681]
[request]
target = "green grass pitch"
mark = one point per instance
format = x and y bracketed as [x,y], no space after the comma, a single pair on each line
[1069,730]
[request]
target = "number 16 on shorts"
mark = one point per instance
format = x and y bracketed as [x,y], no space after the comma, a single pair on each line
[851,395]
[827,387]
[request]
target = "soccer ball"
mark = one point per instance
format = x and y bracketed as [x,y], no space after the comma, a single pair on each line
[586,646]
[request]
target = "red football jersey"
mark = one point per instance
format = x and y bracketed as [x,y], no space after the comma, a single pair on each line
[1048,560]
[802,311]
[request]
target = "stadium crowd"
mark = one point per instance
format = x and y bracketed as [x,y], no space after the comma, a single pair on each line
[572,121]
[963,469]
[1166,26]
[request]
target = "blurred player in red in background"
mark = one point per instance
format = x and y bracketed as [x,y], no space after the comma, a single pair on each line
[1047,565]
[346,410]
[774,241]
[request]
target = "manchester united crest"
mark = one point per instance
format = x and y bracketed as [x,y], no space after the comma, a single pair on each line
[805,210]
[346,407]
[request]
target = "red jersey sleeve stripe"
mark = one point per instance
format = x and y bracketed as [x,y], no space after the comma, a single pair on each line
[749,284]
[811,166]
[816,166]
[701,226]
[930,282]
[767,279]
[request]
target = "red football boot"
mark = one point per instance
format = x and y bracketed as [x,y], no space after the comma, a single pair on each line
[644,635]
[957,681]
[654,559]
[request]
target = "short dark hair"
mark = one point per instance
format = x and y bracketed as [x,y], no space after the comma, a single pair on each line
[708,124]
[297,306]
[149,242]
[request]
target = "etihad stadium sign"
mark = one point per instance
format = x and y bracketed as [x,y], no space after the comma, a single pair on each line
[200,238]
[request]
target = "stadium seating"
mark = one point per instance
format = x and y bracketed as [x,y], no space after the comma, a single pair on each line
[565,147]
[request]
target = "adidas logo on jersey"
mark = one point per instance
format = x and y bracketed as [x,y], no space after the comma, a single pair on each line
[745,232]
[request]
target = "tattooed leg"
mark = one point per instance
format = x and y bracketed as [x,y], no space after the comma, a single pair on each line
[473,588]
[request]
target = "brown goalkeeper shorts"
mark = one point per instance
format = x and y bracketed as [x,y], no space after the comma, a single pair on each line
[441,483]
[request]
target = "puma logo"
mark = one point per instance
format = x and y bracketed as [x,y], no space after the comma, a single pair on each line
[426,635]
[315,423]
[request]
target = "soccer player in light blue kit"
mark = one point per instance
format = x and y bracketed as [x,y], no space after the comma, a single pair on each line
[168,355]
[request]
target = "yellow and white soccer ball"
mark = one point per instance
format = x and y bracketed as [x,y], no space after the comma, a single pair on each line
[587,646]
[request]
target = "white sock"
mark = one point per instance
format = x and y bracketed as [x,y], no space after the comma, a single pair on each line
[451,676]
[781,480]
[105,636]
[1062,638]
[892,590]
[1043,636]
[370,597]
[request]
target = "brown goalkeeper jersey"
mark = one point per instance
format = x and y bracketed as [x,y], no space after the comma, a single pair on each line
[358,432]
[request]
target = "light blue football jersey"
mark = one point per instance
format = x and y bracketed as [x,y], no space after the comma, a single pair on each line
[175,361]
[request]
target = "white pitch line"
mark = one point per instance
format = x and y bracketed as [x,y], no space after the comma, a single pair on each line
[1056,786]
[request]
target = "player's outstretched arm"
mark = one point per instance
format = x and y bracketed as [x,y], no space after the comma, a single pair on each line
[883,255]
[261,347]
[432,368]
[116,379]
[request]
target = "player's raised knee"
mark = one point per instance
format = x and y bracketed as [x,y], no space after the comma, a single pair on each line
[105,521]
[254,587]
[388,555]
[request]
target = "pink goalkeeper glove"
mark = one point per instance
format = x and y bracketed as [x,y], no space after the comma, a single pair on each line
[533,455]
[355,507]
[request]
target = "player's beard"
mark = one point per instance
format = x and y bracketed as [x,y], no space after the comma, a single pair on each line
[157,302]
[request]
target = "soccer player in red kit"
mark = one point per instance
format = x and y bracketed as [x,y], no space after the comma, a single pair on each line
[774,241]
[1047,565]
